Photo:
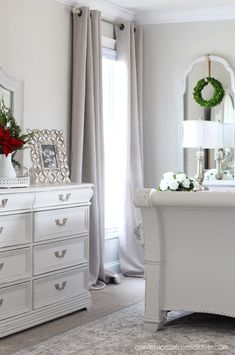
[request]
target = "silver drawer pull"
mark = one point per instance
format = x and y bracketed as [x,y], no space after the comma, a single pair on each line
[60,255]
[1,301]
[64,198]
[1,266]
[60,287]
[4,202]
[59,223]
[1,229]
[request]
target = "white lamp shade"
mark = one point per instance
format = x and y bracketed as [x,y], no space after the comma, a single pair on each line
[228,135]
[202,134]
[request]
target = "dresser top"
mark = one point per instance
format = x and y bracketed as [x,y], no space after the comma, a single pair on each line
[46,188]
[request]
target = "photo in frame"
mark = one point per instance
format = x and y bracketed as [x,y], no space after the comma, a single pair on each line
[49,160]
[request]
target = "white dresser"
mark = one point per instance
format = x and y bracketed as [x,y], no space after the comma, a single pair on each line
[44,236]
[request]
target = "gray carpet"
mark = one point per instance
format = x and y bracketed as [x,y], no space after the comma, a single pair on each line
[122,333]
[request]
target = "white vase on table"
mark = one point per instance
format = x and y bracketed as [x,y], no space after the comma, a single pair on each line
[6,167]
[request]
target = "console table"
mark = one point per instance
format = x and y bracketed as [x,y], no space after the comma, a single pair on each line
[189,252]
[43,254]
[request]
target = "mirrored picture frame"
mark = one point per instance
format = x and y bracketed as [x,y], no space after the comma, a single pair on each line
[49,159]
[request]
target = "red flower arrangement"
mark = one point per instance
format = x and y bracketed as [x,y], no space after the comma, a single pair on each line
[9,143]
[11,138]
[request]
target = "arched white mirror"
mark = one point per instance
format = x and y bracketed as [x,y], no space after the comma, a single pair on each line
[218,68]
[11,90]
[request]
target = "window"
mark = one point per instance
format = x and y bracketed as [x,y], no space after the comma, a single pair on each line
[111,141]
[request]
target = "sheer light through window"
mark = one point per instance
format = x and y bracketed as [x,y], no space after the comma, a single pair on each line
[112,140]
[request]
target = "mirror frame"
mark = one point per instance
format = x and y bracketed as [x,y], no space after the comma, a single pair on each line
[183,82]
[16,87]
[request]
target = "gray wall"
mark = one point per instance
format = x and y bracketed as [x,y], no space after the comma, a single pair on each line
[35,39]
[168,49]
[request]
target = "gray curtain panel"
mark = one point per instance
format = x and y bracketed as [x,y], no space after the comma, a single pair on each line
[129,54]
[87,144]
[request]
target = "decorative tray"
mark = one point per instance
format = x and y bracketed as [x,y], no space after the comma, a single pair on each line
[20,181]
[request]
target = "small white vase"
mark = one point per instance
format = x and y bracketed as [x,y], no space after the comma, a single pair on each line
[6,168]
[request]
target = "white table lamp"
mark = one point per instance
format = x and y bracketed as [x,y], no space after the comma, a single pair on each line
[201,134]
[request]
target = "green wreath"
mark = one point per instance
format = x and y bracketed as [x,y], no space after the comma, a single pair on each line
[218,93]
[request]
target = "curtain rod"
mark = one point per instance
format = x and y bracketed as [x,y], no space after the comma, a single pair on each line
[78,11]
[114,22]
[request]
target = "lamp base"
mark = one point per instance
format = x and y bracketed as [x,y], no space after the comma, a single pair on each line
[219,157]
[200,174]
[201,187]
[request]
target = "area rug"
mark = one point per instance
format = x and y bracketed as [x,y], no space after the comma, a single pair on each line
[122,333]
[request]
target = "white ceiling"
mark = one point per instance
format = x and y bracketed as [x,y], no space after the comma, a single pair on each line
[161,11]
[171,5]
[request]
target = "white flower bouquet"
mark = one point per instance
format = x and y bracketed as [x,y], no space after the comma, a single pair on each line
[176,182]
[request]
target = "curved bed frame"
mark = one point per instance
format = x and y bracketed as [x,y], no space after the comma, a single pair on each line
[189,252]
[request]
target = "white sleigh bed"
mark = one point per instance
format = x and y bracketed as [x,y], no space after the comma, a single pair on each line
[189,252]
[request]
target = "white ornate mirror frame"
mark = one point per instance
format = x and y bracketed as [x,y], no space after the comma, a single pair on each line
[10,83]
[182,92]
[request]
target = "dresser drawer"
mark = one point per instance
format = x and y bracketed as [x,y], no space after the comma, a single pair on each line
[60,223]
[63,197]
[15,229]
[15,265]
[15,202]
[55,288]
[15,300]
[54,256]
